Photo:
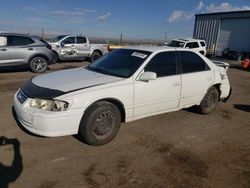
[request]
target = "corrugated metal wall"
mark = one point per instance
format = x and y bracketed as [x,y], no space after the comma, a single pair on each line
[207,26]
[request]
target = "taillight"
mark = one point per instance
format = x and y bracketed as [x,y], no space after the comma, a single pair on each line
[109,49]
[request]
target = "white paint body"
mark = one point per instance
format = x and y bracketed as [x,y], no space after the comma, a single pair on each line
[139,98]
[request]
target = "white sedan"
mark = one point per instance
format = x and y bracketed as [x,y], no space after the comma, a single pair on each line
[122,86]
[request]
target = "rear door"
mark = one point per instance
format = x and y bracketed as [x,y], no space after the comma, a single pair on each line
[20,48]
[82,46]
[162,94]
[4,51]
[193,45]
[196,78]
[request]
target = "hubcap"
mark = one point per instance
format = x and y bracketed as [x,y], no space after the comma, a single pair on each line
[104,124]
[95,57]
[39,64]
[210,101]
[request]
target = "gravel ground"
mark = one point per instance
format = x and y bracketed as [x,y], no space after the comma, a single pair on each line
[179,149]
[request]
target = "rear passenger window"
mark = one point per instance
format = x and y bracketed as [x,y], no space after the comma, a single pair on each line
[81,40]
[191,62]
[19,41]
[203,44]
[192,45]
[163,64]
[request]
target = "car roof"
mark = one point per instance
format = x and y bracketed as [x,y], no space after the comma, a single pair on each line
[151,48]
[157,49]
[189,40]
[19,34]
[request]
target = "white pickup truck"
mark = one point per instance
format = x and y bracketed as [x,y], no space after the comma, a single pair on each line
[77,47]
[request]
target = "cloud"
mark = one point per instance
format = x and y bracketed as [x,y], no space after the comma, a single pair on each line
[104,17]
[65,13]
[224,7]
[29,9]
[178,15]
[77,16]
[199,6]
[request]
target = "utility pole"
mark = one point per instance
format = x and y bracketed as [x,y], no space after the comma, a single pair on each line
[166,37]
[121,39]
[42,33]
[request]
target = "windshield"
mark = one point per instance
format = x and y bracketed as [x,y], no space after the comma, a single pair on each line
[175,43]
[122,63]
[56,39]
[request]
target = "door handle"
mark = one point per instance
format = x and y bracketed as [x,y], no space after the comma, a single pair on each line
[30,49]
[175,84]
[3,49]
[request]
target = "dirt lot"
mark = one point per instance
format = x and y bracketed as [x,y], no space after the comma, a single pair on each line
[179,149]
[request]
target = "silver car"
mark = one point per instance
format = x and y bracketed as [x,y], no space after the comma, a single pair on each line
[20,49]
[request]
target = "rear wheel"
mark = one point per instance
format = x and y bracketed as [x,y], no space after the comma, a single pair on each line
[95,55]
[38,64]
[210,101]
[100,123]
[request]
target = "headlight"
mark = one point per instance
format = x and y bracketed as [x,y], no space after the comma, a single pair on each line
[49,105]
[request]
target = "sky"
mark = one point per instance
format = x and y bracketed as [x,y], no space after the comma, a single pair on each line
[135,19]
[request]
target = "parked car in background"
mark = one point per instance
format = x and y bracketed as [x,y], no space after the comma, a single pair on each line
[197,45]
[124,85]
[21,49]
[77,47]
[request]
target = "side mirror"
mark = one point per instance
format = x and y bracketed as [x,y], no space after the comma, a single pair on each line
[62,44]
[146,76]
[187,47]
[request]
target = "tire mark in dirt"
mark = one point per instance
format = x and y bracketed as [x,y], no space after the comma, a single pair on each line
[88,176]
[179,167]
[49,184]
[10,86]
[226,114]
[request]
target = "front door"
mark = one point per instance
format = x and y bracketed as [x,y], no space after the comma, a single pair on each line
[162,94]
[4,52]
[68,48]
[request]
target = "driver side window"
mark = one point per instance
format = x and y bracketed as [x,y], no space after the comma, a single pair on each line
[3,41]
[69,40]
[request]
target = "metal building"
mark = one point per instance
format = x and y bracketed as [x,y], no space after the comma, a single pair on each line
[224,30]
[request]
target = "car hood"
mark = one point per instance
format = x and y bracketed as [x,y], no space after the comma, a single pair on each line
[73,79]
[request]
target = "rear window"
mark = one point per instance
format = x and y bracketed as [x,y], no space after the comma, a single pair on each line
[19,41]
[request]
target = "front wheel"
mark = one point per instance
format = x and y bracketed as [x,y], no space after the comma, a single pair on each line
[100,123]
[210,101]
[38,64]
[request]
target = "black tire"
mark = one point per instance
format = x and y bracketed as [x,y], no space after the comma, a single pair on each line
[38,64]
[95,55]
[210,101]
[100,124]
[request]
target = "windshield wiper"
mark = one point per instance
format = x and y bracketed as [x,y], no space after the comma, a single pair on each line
[99,70]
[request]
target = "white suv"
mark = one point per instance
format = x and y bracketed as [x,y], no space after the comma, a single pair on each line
[197,45]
